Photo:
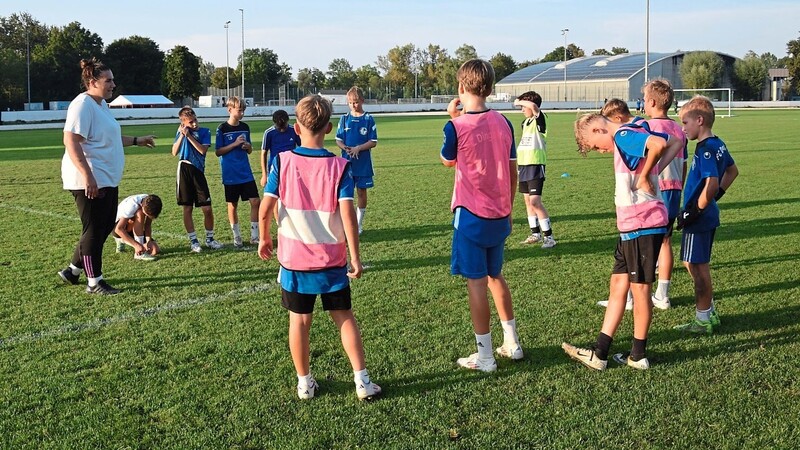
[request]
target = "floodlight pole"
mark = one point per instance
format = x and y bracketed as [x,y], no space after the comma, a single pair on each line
[28,57]
[564,32]
[647,42]
[242,11]
[227,61]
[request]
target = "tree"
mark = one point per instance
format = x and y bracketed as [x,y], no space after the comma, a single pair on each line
[432,60]
[206,72]
[793,63]
[573,51]
[397,65]
[503,64]
[527,63]
[12,79]
[368,78]
[340,74]
[55,67]
[181,77]
[600,51]
[310,80]
[19,35]
[221,75]
[619,50]
[465,53]
[137,63]
[701,70]
[19,30]
[749,76]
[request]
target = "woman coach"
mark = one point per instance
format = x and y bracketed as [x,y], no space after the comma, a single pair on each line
[91,169]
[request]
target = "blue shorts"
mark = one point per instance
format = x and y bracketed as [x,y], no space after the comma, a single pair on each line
[696,247]
[471,260]
[363,182]
[672,200]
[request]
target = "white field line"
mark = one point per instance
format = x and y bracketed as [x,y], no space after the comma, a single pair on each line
[77,219]
[73,328]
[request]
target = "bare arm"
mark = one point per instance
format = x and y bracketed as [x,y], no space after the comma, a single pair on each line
[673,147]
[708,192]
[148,141]
[176,146]
[452,108]
[263,167]
[351,233]
[655,148]
[264,224]
[731,172]
[240,141]
[528,104]
[72,144]
[121,230]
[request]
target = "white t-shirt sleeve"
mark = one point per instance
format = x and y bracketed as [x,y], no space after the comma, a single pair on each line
[128,207]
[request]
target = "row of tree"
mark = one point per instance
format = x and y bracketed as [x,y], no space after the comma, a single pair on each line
[48,57]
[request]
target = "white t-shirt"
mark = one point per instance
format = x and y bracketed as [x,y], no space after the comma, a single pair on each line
[102,144]
[128,207]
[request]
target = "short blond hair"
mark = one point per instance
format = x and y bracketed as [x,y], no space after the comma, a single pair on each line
[583,127]
[661,91]
[235,102]
[355,92]
[699,106]
[314,113]
[616,107]
[477,77]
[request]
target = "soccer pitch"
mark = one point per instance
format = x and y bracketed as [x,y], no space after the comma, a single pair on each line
[194,353]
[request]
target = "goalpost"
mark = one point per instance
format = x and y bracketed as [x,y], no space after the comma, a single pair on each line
[717,95]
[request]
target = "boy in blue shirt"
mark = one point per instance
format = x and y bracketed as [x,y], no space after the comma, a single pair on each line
[190,146]
[233,147]
[277,139]
[699,218]
[356,135]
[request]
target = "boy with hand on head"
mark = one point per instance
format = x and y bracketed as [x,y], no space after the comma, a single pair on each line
[479,143]
[233,147]
[277,139]
[658,96]
[316,229]
[190,146]
[135,216]
[699,218]
[641,220]
[356,135]
[531,161]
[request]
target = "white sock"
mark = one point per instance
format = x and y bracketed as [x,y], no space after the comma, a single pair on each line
[209,235]
[510,332]
[713,309]
[704,316]
[545,223]
[662,291]
[253,230]
[629,299]
[360,216]
[484,345]
[236,233]
[193,236]
[361,376]
[304,380]
[139,239]
[93,281]
[533,221]
[75,270]
[118,240]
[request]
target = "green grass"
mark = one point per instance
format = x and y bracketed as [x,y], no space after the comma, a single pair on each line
[193,353]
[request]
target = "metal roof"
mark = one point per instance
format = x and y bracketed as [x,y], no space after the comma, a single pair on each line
[601,67]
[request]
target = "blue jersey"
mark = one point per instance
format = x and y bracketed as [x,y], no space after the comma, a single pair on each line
[710,159]
[357,130]
[318,281]
[632,147]
[276,141]
[235,164]
[187,152]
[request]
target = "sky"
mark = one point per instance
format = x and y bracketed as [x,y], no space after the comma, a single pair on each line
[312,33]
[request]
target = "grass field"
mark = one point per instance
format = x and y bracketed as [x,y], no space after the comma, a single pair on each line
[193,353]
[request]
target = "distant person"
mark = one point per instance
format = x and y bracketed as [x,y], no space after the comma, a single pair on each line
[641,220]
[233,147]
[190,146]
[638,106]
[699,218]
[658,96]
[531,163]
[317,228]
[135,216]
[278,138]
[91,170]
[356,135]
[479,143]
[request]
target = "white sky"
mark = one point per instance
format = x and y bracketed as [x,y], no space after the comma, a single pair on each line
[311,33]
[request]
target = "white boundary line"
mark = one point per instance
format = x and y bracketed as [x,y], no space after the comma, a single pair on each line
[96,324]
[77,219]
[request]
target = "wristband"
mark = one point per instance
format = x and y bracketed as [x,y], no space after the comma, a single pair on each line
[135,140]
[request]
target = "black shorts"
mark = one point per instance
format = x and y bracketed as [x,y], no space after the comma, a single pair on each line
[304,303]
[192,186]
[245,191]
[638,257]
[531,179]
[531,187]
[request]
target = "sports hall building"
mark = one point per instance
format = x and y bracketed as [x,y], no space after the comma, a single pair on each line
[595,78]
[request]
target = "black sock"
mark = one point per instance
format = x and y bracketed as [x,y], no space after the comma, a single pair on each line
[549,232]
[534,230]
[602,345]
[638,349]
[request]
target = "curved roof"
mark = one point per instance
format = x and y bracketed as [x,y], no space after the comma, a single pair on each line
[599,67]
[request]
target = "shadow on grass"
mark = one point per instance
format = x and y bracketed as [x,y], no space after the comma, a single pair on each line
[723,205]
[762,227]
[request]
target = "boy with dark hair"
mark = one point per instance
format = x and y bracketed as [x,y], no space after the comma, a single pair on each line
[280,137]
[135,216]
[531,162]
[479,143]
[317,227]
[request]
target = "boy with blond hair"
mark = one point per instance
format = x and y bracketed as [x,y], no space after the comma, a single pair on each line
[190,146]
[531,162]
[658,96]
[316,228]
[641,220]
[233,147]
[356,135]
[479,143]
[699,218]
